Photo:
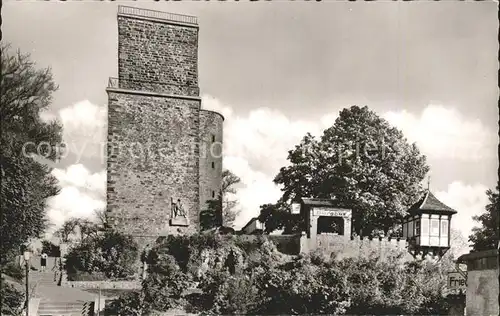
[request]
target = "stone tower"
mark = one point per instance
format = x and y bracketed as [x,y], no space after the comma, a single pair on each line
[164,151]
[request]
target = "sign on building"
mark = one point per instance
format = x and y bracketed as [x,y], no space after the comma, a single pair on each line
[456,281]
[332,213]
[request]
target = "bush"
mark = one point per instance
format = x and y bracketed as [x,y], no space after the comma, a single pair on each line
[112,254]
[165,284]
[130,304]
[50,249]
[12,300]
[13,270]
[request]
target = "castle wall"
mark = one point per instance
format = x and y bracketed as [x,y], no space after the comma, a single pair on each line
[155,54]
[210,152]
[346,247]
[152,157]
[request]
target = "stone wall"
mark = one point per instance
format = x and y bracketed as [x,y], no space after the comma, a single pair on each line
[210,155]
[344,246]
[153,157]
[157,55]
[104,285]
[482,292]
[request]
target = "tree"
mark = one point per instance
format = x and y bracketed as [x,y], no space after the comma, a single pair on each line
[362,163]
[221,211]
[229,180]
[26,182]
[486,236]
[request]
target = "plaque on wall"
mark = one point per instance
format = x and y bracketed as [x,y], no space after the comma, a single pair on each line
[178,216]
[331,212]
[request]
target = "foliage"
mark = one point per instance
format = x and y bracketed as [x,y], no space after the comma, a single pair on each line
[221,211]
[361,162]
[111,253]
[26,182]
[79,229]
[11,299]
[165,284]
[50,249]
[13,269]
[393,286]
[130,304]
[486,236]
[268,282]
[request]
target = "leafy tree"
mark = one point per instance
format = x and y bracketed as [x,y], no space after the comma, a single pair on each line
[25,92]
[361,162]
[50,249]
[486,236]
[81,228]
[221,211]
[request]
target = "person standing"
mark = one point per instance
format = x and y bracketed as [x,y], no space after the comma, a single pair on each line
[43,261]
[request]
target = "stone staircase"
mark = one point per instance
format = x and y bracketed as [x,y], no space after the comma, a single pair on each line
[55,300]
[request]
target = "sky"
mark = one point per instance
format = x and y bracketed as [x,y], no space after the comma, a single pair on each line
[278,70]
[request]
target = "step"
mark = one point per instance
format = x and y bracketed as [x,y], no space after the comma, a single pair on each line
[63,308]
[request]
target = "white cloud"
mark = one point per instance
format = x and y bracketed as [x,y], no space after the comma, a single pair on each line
[84,129]
[82,193]
[443,133]
[467,200]
[256,147]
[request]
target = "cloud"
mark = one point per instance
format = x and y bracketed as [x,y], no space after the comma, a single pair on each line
[82,193]
[467,200]
[443,133]
[84,130]
[256,146]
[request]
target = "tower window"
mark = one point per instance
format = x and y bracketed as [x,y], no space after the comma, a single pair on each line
[213,138]
[213,165]
[213,194]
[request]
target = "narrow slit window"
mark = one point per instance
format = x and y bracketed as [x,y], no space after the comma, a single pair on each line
[213,194]
[213,165]
[213,138]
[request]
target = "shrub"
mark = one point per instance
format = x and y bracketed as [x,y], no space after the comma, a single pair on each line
[11,300]
[129,304]
[13,270]
[165,284]
[111,253]
[50,249]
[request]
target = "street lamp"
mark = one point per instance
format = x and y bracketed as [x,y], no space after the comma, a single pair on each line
[27,256]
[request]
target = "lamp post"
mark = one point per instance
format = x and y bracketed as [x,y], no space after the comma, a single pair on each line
[27,256]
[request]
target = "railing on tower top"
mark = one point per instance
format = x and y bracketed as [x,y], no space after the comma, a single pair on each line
[188,19]
[113,83]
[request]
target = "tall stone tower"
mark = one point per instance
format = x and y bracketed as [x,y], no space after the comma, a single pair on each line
[164,151]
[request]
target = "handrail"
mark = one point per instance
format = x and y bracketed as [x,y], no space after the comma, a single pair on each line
[167,16]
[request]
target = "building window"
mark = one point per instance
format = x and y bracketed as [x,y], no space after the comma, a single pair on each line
[213,165]
[213,194]
[434,227]
[444,227]
[213,138]
[417,228]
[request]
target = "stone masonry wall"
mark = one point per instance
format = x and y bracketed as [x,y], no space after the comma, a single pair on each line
[157,56]
[210,152]
[482,292]
[153,156]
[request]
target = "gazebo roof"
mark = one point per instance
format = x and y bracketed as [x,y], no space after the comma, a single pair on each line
[430,203]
